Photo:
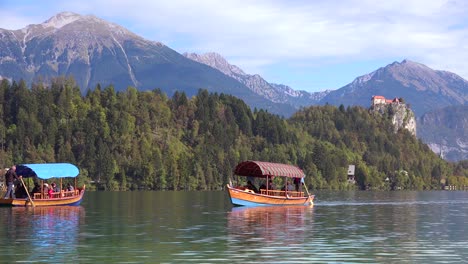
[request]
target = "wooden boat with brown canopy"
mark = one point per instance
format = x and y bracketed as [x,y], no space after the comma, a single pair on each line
[247,195]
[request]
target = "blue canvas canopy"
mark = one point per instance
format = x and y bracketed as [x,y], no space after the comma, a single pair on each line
[47,170]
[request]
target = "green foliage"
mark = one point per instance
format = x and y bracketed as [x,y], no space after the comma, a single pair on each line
[133,140]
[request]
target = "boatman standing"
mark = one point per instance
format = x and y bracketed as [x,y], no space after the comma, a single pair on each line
[10,176]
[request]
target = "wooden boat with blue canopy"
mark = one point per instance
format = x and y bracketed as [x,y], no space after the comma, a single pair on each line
[47,171]
[266,195]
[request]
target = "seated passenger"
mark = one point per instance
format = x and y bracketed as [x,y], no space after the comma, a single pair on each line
[47,190]
[271,186]
[251,187]
[290,186]
[36,189]
[263,187]
[55,188]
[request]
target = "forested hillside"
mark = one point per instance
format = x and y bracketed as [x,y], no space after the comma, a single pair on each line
[143,140]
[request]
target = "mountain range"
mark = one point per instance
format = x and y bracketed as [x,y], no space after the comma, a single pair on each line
[278,93]
[423,88]
[95,51]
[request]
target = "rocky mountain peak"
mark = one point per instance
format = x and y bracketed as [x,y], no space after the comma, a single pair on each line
[415,76]
[407,67]
[216,61]
[61,19]
[422,87]
[399,70]
[423,78]
[277,93]
[66,26]
[78,45]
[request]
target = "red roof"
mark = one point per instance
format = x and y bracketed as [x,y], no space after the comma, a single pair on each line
[263,169]
[378,97]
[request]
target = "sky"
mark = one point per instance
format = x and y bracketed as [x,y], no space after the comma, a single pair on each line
[309,45]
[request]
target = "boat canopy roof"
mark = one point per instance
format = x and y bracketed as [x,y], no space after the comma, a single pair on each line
[47,170]
[263,169]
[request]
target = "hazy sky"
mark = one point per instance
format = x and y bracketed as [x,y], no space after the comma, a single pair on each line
[306,44]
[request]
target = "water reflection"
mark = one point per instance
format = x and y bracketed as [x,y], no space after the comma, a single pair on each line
[259,233]
[42,233]
[202,227]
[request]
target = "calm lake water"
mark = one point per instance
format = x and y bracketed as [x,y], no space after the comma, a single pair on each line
[195,227]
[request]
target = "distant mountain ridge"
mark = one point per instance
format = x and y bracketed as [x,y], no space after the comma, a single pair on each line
[423,88]
[446,131]
[95,51]
[278,93]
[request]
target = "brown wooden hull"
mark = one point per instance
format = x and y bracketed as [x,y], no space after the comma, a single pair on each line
[241,197]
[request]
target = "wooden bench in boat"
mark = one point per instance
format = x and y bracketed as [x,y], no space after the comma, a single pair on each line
[56,195]
[281,193]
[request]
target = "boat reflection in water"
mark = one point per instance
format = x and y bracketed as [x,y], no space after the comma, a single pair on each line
[46,233]
[256,227]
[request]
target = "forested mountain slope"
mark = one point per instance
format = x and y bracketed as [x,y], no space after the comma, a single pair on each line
[145,140]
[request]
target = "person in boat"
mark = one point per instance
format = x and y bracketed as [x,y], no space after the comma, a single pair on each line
[50,192]
[271,185]
[70,187]
[55,188]
[262,187]
[47,190]
[10,177]
[37,188]
[289,186]
[297,184]
[251,186]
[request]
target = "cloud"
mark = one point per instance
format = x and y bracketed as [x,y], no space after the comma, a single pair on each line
[256,34]
[274,31]
[11,21]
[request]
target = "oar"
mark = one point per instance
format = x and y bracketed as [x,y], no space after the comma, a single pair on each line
[305,186]
[27,192]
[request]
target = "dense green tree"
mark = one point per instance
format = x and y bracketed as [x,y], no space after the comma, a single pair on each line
[131,140]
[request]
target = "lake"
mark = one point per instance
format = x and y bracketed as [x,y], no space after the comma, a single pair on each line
[195,227]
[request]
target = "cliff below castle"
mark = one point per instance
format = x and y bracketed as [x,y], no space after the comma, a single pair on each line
[400,114]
